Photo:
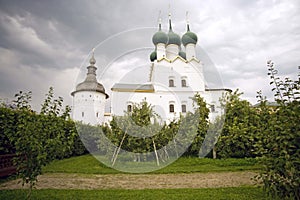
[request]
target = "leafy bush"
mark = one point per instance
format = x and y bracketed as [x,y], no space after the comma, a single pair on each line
[280,139]
[237,135]
[35,138]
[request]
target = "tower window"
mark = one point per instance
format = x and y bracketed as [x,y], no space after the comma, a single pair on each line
[82,114]
[183,83]
[129,108]
[171,108]
[183,108]
[171,83]
[97,114]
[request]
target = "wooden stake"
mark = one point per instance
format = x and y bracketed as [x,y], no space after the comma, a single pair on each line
[157,161]
[119,148]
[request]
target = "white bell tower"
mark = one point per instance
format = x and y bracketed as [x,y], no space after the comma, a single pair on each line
[89,98]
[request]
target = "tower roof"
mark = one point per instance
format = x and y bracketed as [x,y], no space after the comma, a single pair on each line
[90,83]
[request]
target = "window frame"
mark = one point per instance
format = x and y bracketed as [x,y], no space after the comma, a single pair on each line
[183,108]
[183,82]
[129,108]
[171,82]
[171,108]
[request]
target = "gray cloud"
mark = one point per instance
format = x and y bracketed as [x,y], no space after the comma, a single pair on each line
[44,43]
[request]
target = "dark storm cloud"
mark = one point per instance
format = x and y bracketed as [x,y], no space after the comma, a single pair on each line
[44,43]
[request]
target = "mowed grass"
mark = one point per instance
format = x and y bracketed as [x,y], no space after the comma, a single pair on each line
[87,164]
[238,193]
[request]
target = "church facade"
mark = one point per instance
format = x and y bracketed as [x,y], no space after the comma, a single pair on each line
[175,76]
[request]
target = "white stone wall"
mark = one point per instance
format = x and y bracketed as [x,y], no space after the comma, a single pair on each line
[88,107]
[192,72]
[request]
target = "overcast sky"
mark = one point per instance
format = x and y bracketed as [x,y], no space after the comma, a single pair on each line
[47,43]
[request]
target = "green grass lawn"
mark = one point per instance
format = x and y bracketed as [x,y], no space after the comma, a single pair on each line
[238,193]
[87,164]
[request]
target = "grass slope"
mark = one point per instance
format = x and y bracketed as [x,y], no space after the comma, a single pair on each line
[239,193]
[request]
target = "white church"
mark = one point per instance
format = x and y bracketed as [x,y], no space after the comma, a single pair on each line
[175,76]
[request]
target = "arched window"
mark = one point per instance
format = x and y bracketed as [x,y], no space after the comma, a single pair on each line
[129,108]
[183,83]
[171,108]
[183,108]
[82,114]
[171,83]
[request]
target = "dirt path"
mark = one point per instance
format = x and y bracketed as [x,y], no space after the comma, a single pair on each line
[139,181]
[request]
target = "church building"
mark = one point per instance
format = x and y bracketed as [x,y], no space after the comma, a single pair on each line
[175,76]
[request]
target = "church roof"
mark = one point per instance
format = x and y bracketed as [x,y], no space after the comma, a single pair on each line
[218,89]
[123,87]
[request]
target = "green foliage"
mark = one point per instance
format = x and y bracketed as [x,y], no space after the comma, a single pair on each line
[36,139]
[201,119]
[53,107]
[236,139]
[7,128]
[141,114]
[23,100]
[280,138]
[88,137]
[139,131]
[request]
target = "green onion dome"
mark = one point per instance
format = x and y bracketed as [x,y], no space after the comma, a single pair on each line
[182,54]
[160,37]
[189,37]
[153,56]
[173,38]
